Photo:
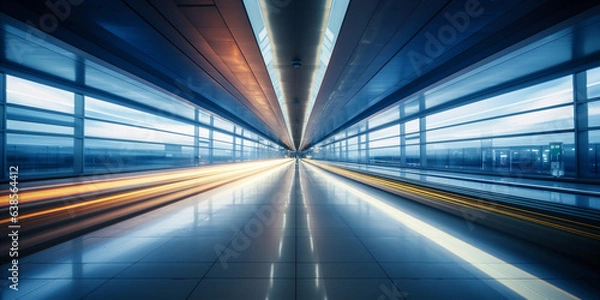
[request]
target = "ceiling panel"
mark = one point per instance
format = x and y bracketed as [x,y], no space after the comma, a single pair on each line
[382,69]
[182,46]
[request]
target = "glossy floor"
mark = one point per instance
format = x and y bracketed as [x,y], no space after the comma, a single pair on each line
[297,232]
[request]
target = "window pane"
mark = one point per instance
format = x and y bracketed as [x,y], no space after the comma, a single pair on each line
[221,145]
[38,154]
[594,154]
[547,94]
[594,114]
[218,123]
[25,92]
[593,83]
[394,141]
[115,156]
[23,114]
[384,133]
[549,120]
[411,106]
[387,116]
[385,155]
[223,137]
[99,109]
[455,155]
[203,132]
[115,83]
[413,155]
[38,127]
[594,136]
[116,131]
[204,116]
[412,126]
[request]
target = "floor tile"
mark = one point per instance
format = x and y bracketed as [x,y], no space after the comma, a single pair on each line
[143,289]
[24,286]
[340,270]
[166,270]
[420,270]
[407,250]
[65,289]
[187,249]
[332,250]
[330,288]
[252,270]
[454,289]
[217,288]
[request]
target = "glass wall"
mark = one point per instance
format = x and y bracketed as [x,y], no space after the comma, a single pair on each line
[51,132]
[593,119]
[529,131]
[40,127]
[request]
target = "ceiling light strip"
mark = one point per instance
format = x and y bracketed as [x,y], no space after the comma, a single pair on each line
[261,32]
[331,31]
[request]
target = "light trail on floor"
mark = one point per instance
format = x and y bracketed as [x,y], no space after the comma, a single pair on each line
[516,279]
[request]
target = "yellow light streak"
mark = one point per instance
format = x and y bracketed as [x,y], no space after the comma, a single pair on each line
[527,285]
[152,185]
[470,203]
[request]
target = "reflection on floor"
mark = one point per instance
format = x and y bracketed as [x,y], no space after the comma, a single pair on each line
[298,232]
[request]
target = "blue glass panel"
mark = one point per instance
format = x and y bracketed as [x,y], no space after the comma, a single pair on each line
[548,120]
[593,83]
[38,154]
[554,92]
[38,127]
[99,109]
[28,93]
[594,113]
[115,131]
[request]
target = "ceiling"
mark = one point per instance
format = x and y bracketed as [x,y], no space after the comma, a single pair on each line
[386,51]
[296,32]
[203,51]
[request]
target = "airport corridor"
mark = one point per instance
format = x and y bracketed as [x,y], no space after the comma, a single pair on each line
[298,232]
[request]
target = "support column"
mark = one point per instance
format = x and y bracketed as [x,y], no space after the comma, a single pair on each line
[196,137]
[360,148]
[581,125]
[242,145]
[422,135]
[367,148]
[346,141]
[3,114]
[402,138]
[78,146]
[211,140]
[79,141]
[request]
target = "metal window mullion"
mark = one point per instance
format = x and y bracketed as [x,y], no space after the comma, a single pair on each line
[3,162]
[422,135]
[402,138]
[211,140]
[79,121]
[196,137]
[581,125]
[242,144]
[346,150]
[78,141]
[367,152]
